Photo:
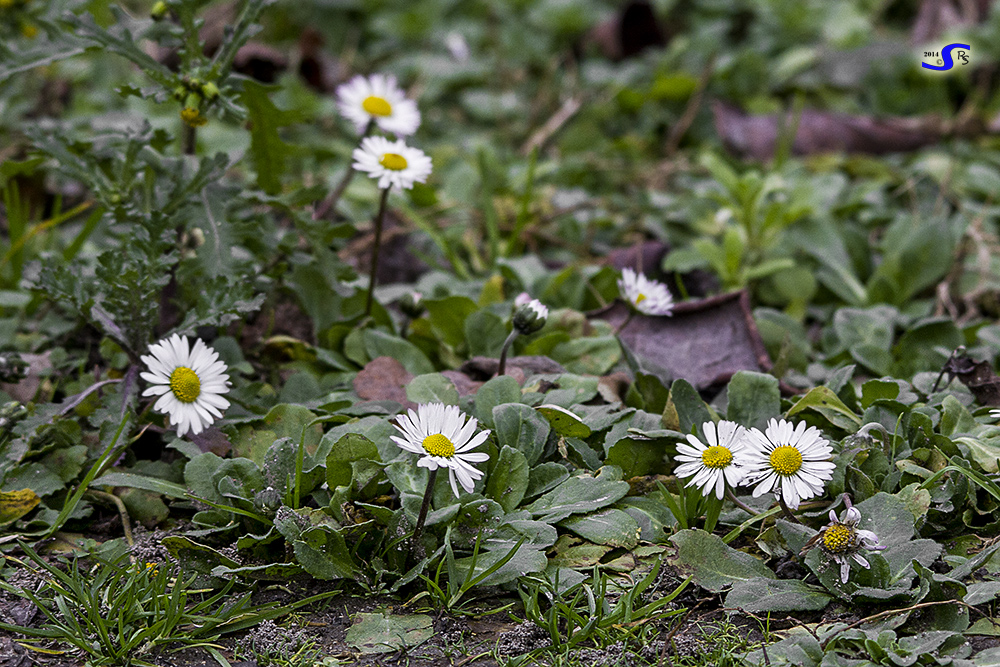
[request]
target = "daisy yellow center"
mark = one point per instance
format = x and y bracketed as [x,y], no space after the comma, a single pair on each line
[786,460]
[837,538]
[639,299]
[393,161]
[716,457]
[377,106]
[439,445]
[185,384]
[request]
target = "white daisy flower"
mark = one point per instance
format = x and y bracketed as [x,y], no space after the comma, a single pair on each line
[189,381]
[440,434]
[393,163]
[379,98]
[715,465]
[649,297]
[842,540]
[793,461]
[995,414]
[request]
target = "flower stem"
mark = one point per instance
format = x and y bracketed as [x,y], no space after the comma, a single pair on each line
[788,512]
[378,241]
[625,322]
[502,367]
[330,203]
[190,139]
[743,506]
[424,506]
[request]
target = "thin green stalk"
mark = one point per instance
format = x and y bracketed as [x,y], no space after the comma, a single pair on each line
[424,506]
[99,465]
[502,367]
[373,275]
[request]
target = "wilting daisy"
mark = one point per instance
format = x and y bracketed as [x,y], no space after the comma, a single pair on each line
[442,437]
[715,465]
[378,97]
[393,163]
[190,382]
[842,540]
[647,296]
[793,461]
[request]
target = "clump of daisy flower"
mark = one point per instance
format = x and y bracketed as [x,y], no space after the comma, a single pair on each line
[189,380]
[443,438]
[792,461]
[649,297]
[842,540]
[378,100]
[713,467]
[393,163]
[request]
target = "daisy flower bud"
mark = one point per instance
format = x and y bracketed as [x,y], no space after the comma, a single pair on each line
[530,317]
[412,305]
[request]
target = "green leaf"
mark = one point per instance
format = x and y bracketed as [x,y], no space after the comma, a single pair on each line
[545,477]
[267,150]
[447,317]
[754,398]
[499,390]
[765,595]
[637,457]
[319,547]
[432,388]
[888,517]
[381,344]
[588,356]
[508,482]
[520,427]
[985,591]
[525,560]
[382,632]
[153,484]
[713,565]
[610,527]
[564,422]
[687,404]
[345,464]
[577,495]
[826,403]
[485,333]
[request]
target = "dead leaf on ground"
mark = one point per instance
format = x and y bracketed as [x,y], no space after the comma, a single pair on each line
[212,440]
[645,257]
[937,17]
[463,383]
[978,376]
[39,365]
[705,342]
[756,136]
[628,33]
[383,379]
